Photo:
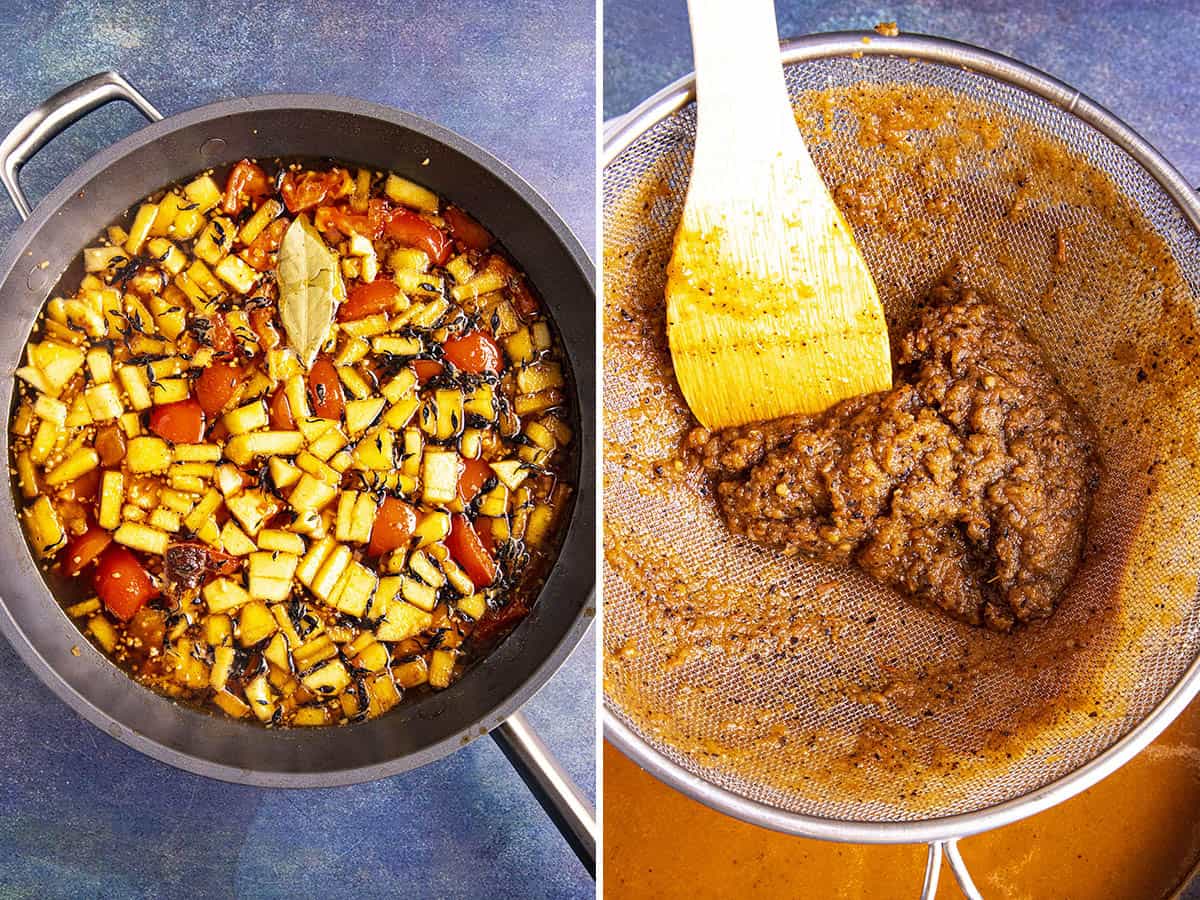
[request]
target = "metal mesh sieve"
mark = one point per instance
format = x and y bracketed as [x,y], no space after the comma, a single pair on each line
[794,693]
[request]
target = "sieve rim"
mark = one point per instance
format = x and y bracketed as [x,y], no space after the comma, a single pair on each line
[623,131]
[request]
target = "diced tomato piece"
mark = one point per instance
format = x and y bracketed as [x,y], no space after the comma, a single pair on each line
[370,224]
[410,229]
[179,423]
[86,486]
[281,411]
[221,336]
[485,527]
[475,474]
[258,254]
[468,551]
[84,548]
[281,519]
[246,180]
[394,526]
[500,621]
[523,299]
[466,230]
[122,582]
[223,563]
[427,368]
[474,352]
[216,385]
[262,322]
[304,190]
[379,213]
[325,390]
[367,299]
[217,334]
[110,444]
[332,219]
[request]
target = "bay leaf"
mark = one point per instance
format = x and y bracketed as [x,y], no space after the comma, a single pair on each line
[310,288]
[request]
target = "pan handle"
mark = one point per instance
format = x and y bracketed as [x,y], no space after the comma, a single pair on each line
[46,121]
[551,785]
[933,866]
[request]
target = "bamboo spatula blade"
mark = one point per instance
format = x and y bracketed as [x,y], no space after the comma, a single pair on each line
[771,310]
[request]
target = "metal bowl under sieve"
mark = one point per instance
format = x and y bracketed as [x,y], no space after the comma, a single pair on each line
[1154,671]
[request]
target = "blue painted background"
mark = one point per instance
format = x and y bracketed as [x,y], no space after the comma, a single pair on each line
[1137,59]
[82,815]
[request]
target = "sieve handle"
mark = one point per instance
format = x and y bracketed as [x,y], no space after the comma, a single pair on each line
[933,868]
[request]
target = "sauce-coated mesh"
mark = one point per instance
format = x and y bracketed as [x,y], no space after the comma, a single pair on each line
[812,688]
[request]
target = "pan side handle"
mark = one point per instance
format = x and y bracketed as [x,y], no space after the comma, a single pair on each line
[559,796]
[46,121]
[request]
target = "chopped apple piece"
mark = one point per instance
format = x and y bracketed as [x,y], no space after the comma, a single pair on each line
[511,472]
[402,621]
[148,454]
[329,680]
[222,595]
[439,474]
[362,414]
[283,473]
[242,448]
[235,541]
[45,531]
[251,509]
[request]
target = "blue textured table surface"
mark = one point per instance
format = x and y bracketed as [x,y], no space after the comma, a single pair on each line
[1137,59]
[84,816]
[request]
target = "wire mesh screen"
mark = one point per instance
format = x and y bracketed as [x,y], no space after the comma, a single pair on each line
[810,687]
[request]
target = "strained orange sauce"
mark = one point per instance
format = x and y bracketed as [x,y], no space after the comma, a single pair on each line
[1134,836]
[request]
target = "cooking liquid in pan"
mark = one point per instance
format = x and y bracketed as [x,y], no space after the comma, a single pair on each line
[430,357]
[1134,836]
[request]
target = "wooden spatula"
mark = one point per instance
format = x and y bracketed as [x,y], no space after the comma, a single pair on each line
[770,307]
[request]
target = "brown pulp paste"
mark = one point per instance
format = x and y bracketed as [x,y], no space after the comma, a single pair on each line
[966,487]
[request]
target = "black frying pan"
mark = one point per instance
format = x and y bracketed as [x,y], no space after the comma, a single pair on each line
[43,252]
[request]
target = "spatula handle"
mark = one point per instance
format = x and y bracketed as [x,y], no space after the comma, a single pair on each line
[739,76]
